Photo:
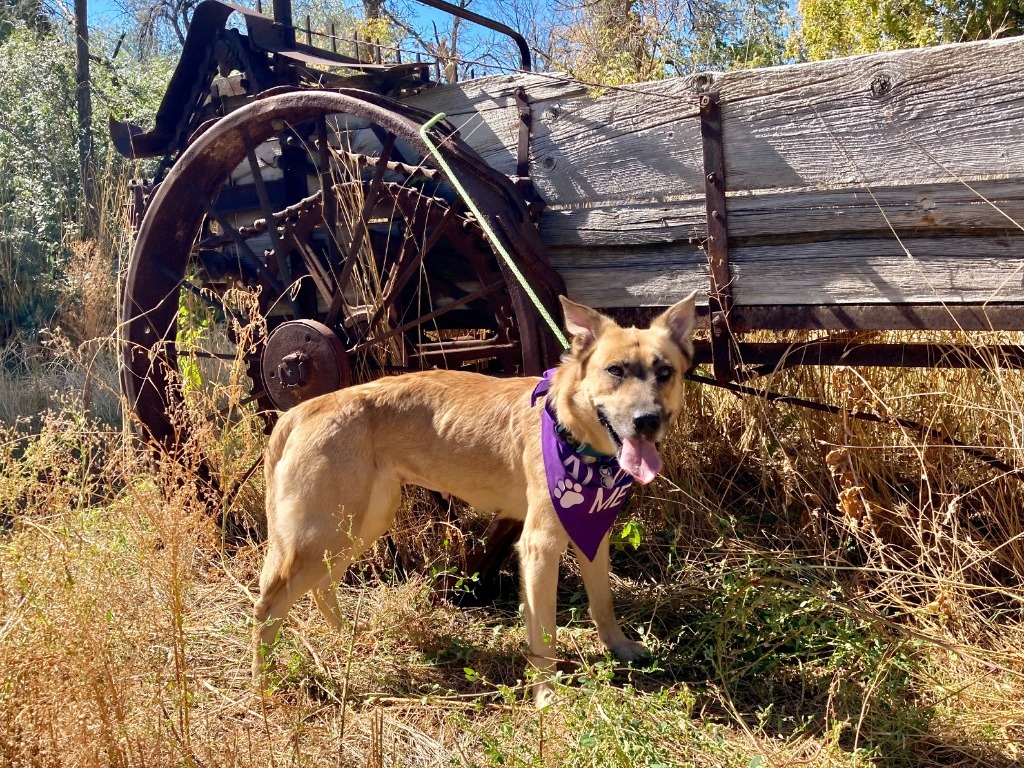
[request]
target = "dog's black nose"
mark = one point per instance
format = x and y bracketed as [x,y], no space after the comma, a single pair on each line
[647,424]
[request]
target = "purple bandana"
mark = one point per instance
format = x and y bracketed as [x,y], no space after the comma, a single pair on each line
[587,491]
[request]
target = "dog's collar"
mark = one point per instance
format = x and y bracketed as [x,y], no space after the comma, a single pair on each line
[583,449]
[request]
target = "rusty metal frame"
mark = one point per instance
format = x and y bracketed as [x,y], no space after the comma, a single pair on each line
[525,127]
[720,300]
[463,13]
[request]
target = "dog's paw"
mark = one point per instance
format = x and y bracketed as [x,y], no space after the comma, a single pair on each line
[630,650]
[568,493]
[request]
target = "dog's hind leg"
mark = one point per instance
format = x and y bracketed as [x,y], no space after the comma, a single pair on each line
[325,595]
[599,593]
[281,585]
[385,498]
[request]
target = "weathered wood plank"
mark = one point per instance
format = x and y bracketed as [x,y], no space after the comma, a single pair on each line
[485,110]
[986,208]
[933,133]
[904,117]
[949,269]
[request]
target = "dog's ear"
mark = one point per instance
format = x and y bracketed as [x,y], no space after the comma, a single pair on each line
[679,320]
[585,324]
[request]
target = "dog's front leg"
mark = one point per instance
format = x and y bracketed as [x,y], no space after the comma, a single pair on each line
[599,592]
[540,548]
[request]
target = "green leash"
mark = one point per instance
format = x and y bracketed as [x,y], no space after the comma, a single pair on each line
[485,224]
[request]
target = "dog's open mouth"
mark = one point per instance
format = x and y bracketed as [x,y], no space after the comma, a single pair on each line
[637,456]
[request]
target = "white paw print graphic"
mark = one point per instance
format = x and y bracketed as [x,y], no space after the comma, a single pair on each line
[568,493]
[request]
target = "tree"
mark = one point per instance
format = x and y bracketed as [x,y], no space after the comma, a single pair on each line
[724,34]
[28,13]
[161,25]
[610,42]
[443,40]
[40,175]
[831,28]
[617,41]
[83,102]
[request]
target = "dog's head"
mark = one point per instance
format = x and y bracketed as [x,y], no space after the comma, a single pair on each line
[619,389]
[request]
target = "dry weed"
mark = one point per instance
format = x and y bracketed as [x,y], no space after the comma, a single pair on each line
[816,590]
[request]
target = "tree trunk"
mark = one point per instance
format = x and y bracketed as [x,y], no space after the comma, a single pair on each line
[84,105]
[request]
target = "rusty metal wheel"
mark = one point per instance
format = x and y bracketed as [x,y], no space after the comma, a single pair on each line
[310,237]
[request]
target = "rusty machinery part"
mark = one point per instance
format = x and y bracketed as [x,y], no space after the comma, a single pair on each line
[525,60]
[322,206]
[303,359]
[266,57]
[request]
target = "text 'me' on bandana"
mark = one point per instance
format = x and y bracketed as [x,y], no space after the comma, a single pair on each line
[587,490]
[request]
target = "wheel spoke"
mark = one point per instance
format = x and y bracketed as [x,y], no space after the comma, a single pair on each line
[410,257]
[280,252]
[369,203]
[368,343]
[330,208]
[403,269]
[238,240]
[314,265]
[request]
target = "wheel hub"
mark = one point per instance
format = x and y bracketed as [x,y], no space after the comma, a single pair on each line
[303,359]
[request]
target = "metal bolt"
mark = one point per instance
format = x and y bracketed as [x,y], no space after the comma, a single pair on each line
[712,178]
[705,102]
[293,370]
[717,215]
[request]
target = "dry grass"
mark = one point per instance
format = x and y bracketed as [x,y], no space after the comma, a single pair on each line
[73,357]
[813,590]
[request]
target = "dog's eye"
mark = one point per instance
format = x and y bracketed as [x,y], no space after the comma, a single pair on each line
[616,371]
[664,373]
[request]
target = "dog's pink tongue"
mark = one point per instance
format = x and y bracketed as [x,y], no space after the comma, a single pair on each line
[640,458]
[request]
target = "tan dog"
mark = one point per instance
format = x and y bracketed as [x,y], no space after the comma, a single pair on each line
[335,466]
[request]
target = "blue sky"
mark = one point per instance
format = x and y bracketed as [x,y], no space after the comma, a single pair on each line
[110,16]
[105,12]
[110,12]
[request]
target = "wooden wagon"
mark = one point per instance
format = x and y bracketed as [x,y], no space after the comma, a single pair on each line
[293,191]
